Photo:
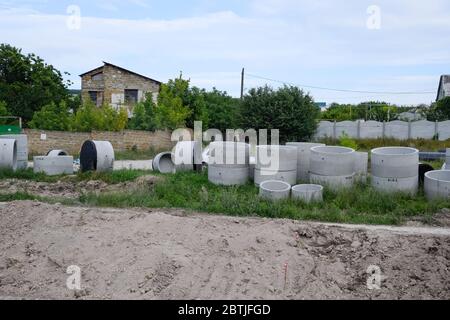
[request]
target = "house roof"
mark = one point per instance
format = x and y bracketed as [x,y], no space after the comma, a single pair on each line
[123,69]
[444,81]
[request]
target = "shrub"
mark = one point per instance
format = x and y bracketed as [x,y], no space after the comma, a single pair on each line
[52,117]
[287,109]
[89,117]
[143,117]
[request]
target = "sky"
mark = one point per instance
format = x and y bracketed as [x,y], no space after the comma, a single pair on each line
[344,51]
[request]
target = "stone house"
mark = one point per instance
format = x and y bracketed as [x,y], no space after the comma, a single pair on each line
[444,87]
[119,87]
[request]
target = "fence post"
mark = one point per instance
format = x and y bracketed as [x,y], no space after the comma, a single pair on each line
[358,130]
[383,135]
[409,130]
[334,130]
[436,129]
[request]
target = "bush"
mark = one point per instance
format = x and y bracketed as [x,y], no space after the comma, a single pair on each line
[52,117]
[144,115]
[287,109]
[439,111]
[3,112]
[89,117]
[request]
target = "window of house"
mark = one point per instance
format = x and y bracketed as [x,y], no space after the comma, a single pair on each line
[93,96]
[131,96]
[97,76]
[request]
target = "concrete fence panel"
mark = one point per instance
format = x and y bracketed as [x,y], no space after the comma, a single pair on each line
[423,129]
[349,128]
[397,130]
[370,129]
[444,130]
[325,129]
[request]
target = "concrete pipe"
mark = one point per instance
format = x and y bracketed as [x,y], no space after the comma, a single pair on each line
[361,164]
[332,161]
[97,156]
[308,192]
[53,166]
[274,190]
[303,158]
[262,175]
[406,185]
[228,176]
[251,168]
[8,154]
[22,149]
[395,162]
[229,154]
[57,153]
[395,169]
[333,182]
[187,156]
[276,158]
[437,184]
[163,163]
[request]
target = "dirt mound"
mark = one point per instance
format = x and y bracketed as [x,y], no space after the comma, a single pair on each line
[155,254]
[70,188]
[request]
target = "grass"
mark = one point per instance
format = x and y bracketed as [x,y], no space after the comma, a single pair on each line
[192,191]
[117,176]
[361,204]
[369,144]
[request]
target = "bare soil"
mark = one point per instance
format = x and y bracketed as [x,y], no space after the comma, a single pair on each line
[173,254]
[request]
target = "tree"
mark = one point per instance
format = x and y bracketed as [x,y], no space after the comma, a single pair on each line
[287,109]
[27,83]
[52,117]
[3,112]
[439,111]
[222,110]
[89,117]
[144,115]
[172,112]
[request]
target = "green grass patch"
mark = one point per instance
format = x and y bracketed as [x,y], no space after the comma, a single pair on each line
[360,204]
[114,177]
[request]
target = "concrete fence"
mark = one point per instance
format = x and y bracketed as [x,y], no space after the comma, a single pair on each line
[394,129]
[41,141]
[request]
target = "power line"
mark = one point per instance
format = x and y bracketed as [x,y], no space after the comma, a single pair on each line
[339,90]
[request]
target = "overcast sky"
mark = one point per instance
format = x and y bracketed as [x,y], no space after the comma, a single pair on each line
[383,47]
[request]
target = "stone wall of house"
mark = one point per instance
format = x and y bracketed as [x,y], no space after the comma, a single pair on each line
[41,141]
[114,83]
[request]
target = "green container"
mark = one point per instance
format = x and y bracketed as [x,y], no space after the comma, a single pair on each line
[5,129]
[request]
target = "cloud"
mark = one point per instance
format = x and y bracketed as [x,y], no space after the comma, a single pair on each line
[306,42]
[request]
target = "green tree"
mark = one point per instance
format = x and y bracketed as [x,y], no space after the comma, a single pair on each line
[287,109]
[195,100]
[3,112]
[172,112]
[27,83]
[222,110]
[89,117]
[439,111]
[52,117]
[144,115]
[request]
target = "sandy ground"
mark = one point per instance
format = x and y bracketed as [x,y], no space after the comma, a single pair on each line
[172,254]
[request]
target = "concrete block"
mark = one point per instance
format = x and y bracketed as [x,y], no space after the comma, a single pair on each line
[163,163]
[333,182]
[332,161]
[228,176]
[274,190]
[303,158]
[262,175]
[395,162]
[308,192]
[406,185]
[52,166]
[437,184]
[275,157]
[8,154]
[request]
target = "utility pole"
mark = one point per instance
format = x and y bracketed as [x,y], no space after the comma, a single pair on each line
[242,83]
